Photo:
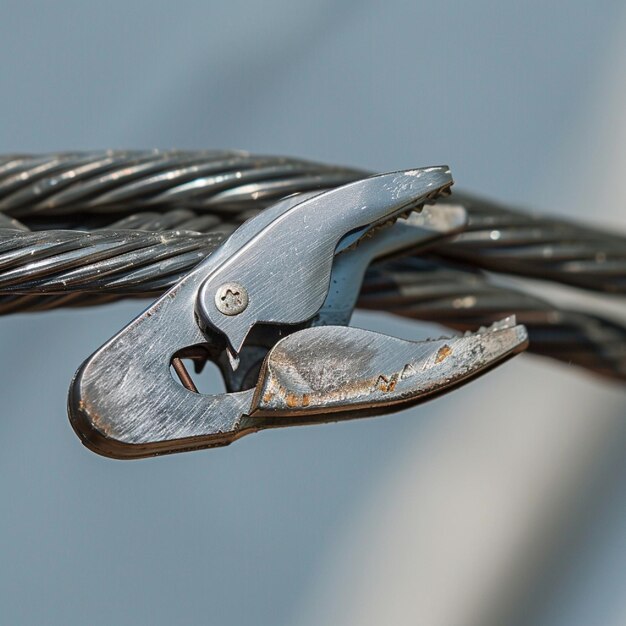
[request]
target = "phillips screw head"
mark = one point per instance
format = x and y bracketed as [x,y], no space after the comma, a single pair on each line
[231,298]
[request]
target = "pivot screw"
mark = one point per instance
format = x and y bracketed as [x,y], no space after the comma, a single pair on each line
[231,298]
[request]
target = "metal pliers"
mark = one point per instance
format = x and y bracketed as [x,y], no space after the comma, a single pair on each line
[271,308]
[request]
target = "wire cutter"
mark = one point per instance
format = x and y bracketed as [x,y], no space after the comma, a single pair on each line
[271,308]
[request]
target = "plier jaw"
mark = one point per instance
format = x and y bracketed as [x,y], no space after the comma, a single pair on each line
[354,372]
[292,276]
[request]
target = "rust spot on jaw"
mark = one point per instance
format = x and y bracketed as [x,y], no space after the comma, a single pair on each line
[443,354]
[386,384]
[292,400]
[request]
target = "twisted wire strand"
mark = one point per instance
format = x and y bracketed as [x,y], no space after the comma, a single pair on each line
[501,239]
[118,261]
[109,181]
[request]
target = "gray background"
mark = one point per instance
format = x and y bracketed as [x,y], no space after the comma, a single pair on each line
[523,100]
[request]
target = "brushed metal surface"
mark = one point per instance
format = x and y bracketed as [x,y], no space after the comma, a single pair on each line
[283,257]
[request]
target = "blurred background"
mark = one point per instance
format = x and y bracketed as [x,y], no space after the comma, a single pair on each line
[502,503]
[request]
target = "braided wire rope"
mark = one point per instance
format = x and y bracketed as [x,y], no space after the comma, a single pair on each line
[78,229]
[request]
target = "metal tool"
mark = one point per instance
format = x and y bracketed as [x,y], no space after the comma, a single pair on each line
[271,308]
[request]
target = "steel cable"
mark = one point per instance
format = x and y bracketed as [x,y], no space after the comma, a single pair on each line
[96,227]
[63,190]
